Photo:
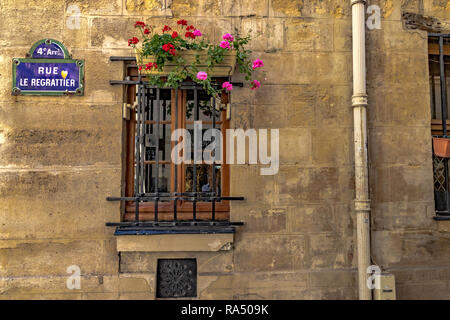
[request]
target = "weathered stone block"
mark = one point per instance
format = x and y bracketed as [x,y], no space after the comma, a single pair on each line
[395,145]
[247,8]
[315,8]
[311,218]
[96,7]
[75,34]
[175,242]
[269,252]
[400,105]
[332,146]
[410,248]
[295,146]
[332,279]
[146,262]
[267,34]
[432,291]
[437,8]
[309,35]
[43,205]
[329,250]
[314,184]
[112,33]
[38,16]
[388,183]
[342,35]
[196,8]
[32,258]
[256,189]
[392,37]
[385,68]
[311,68]
[333,106]
[49,134]
[261,219]
[57,285]
[137,283]
[269,116]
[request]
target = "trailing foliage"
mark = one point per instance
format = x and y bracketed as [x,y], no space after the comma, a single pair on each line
[166,47]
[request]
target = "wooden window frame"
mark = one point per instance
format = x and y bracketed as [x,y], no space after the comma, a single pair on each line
[436,123]
[184,208]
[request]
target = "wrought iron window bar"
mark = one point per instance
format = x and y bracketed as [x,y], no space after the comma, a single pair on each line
[173,226]
[440,165]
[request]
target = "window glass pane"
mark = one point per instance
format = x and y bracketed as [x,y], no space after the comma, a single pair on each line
[150,178]
[150,173]
[203,179]
[435,82]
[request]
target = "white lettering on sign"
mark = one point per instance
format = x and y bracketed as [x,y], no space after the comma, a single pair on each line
[48,70]
[45,82]
[47,51]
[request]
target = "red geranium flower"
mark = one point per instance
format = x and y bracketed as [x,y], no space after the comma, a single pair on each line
[189,35]
[166,28]
[182,22]
[146,31]
[174,34]
[168,46]
[190,28]
[133,40]
[139,24]
[172,52]
[149,66]
[140,68]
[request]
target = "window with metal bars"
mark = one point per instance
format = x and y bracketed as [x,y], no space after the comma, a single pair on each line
[159,194]
[439,71]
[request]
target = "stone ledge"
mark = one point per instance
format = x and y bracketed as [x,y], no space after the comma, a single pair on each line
[175,242]
[443,226]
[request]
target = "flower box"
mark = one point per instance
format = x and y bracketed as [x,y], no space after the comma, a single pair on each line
[441,147]
[224,69]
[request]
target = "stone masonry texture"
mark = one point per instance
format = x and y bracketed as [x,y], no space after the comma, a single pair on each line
[60,157]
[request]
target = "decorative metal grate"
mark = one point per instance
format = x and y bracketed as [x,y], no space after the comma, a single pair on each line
[439,165]
[153,105]
[176,278]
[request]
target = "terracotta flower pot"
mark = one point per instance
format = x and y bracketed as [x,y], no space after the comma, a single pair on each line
[225,69]
[441,147]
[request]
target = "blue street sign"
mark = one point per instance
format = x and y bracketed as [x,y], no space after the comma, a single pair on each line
[49,71]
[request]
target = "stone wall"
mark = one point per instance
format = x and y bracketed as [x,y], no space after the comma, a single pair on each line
[61,156]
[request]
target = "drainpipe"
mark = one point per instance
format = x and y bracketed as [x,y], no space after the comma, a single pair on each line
[359,103]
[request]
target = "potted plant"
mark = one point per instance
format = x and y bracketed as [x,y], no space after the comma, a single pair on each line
[441,147]
[173,55]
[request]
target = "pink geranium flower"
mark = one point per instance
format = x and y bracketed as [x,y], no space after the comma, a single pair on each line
[202,75]
[255,85]
[227,86]
[228,37]
[197,33]
[257,64]
[225,44]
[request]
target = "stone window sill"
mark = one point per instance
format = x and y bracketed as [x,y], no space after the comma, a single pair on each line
[175,242]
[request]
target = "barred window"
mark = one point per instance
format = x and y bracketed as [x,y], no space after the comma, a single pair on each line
[158,192]
[439,71]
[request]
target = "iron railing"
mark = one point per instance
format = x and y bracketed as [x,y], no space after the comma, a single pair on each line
[146,95]
[440,165]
